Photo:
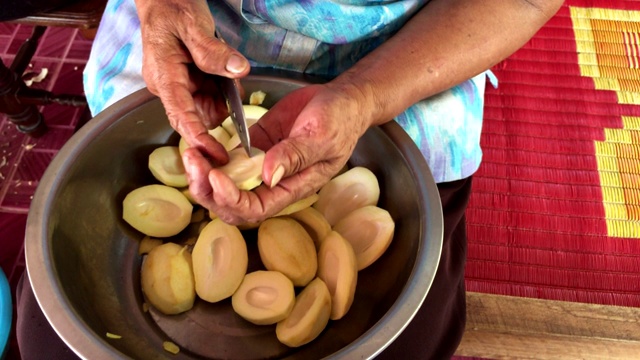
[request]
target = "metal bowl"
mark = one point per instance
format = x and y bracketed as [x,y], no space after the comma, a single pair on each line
[84,267]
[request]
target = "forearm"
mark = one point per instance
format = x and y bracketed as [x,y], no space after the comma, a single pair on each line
[444,44]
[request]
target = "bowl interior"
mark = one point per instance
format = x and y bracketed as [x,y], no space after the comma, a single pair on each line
[83,263]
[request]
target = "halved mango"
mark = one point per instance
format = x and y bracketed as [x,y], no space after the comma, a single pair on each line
[220,261]
[167,278]
[185,191]
[369,230]
[299,205]
[355,188]
[264,297]
[310,315]
[166,166]
[285,246]
[314,222]
[338,268]
[157,210]
[147,244]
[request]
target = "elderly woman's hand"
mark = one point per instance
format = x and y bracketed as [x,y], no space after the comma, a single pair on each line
[309,135]
[179,49]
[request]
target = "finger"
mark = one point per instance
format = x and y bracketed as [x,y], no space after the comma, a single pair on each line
[261,137]
[211,108]
[197,168]
[235,206]
[215,57]
[276,124]
[184,117]
[231,207]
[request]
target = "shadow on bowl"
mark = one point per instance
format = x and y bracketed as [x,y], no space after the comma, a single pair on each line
[83,263]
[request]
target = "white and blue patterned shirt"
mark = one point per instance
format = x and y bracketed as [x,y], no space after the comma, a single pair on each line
[317,37]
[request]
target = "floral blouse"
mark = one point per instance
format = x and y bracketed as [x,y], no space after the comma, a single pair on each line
[316,37]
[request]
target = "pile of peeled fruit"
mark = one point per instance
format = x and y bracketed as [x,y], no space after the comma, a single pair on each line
[311,251]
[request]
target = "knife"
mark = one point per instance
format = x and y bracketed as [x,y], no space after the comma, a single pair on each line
[231,92]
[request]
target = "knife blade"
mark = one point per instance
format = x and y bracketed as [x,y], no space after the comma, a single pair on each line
[236,111]
[231,92]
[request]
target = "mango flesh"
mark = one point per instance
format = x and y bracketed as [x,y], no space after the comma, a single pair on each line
[157,210]
[285,246]
[167,279]
[147,244]
[338,268]
[218,133]
[369,230]
[257,97]
[353,189]
[185,191]
[252,113]
[220,261]
[264,297]
[165,163]
[294,207]
[244,171]
[310,315]
[299,205]
[314,222]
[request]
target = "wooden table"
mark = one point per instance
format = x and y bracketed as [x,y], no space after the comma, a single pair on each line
[505,327]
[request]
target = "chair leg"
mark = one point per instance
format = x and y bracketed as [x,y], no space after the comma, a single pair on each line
[20,102]
[27,50]
[27,118]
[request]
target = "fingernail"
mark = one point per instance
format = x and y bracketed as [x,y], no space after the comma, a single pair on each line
[277,176]
[236,64]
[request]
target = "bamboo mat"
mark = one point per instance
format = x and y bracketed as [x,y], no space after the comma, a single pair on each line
[555,209]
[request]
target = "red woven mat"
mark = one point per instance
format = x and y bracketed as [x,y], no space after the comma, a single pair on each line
[555,212]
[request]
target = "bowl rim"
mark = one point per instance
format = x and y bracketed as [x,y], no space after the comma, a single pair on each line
[77,334]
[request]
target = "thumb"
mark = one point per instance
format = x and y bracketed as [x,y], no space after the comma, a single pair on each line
[288,157]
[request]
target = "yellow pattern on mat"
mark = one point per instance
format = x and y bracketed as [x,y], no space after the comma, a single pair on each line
[608,45]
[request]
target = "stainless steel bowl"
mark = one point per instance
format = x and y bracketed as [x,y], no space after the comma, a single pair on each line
[83,264]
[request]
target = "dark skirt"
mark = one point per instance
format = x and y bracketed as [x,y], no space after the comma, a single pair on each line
[434,333]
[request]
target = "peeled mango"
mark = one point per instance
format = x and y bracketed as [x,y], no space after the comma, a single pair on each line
[167,279]
[244,171]
[310,315]
[219,133]
[220,261]
[369,230]
[303,203]
[264,297]
[165,163]
[157,210]
[355,188]
[147,244]
[285,246]
[252,113]
[338,268]
[314,222]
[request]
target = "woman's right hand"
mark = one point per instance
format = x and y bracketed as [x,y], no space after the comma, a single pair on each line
[179,51]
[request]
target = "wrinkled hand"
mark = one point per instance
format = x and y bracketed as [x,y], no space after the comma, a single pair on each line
[310,134]
[179,49]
